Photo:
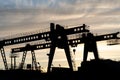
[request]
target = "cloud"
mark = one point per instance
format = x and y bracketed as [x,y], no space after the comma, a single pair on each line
[16,15]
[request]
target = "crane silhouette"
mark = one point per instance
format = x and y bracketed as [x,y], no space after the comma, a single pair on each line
[58,37]
[48,36]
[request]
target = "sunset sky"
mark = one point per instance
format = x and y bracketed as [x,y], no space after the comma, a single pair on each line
[103,16]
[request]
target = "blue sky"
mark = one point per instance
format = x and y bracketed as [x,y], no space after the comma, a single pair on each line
[18,16]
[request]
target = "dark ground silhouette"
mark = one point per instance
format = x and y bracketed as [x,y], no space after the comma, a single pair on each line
[89,70]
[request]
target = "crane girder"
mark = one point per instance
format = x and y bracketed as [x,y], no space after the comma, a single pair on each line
[71,42]
[107,36]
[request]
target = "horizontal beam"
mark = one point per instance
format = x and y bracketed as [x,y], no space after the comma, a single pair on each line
[107,36]
[71,42]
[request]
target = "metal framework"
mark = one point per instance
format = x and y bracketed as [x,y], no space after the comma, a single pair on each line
[56,37]
[88,39]
[39,36]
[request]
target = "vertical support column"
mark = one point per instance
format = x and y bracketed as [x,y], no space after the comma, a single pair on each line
[11,62]
[4,58]
[14,62]
[34,59]
[53,38]
[23,59]
[67,52]
[32,65]
[50,57]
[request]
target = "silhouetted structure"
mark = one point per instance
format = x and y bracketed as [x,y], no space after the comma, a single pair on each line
[34,62]
[13,60]
[58,38]
[90,46]
[33,37]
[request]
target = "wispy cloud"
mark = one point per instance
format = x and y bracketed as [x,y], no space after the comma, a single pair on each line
[19,14]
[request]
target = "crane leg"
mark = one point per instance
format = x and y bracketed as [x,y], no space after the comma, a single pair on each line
[85,54]
[4,58]
[51,55]
[67,51]
[23,59]
[95,51]
[34,59]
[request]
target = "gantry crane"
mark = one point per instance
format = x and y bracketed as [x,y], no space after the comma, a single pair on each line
[90,44]
[48,36]
[58,37]
[88,39]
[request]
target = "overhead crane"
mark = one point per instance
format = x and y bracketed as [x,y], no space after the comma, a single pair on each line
[39,36]
[88,39]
